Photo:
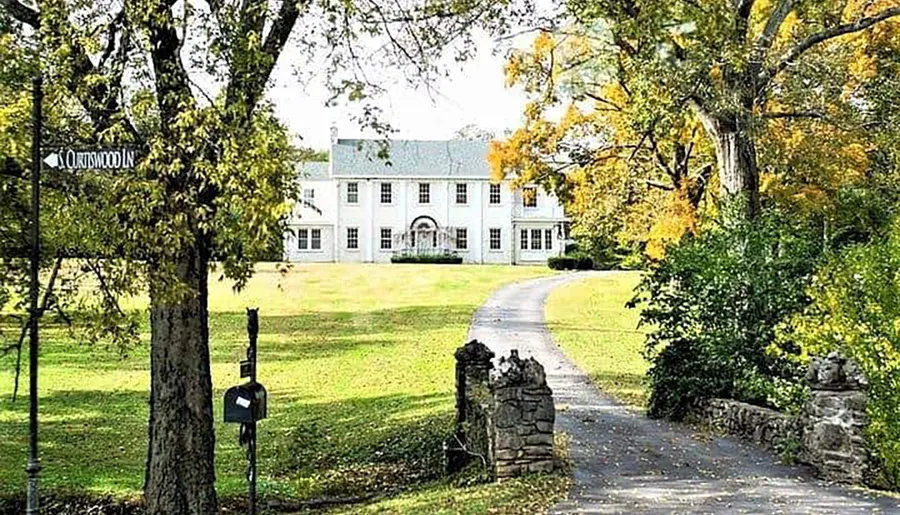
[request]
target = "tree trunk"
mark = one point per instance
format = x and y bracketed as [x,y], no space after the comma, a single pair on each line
[736,159]
[180,475]
[738,174]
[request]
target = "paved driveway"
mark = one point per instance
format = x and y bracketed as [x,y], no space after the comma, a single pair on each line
[626,463]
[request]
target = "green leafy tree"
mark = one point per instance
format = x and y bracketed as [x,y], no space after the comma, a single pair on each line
[713,306]
[185,83]
[855,308]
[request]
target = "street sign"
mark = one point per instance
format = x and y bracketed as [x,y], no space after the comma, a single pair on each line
[91,158]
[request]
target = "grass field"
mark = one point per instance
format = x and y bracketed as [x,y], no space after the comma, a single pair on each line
[590,322]
[358,362]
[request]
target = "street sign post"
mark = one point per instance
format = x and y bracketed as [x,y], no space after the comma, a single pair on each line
[121,158]
[33,468]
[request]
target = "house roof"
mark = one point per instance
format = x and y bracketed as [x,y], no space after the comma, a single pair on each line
[410,158]
[313,170]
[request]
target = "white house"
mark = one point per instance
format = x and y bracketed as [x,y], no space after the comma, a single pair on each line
[372,200]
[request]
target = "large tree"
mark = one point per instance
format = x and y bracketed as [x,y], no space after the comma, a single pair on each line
[185,82]
[734,65]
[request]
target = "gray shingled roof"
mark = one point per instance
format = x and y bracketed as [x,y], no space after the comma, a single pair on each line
[453,158]
[313,170]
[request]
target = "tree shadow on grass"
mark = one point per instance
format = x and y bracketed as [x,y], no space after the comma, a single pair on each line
[302,336]
[93,444]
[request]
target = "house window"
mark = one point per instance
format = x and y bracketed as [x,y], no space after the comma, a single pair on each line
[352,192]
[385,238]
[462,193]
[302,239]
[495,239]
[529,197]
[309,194]
[548,239]
[315,239]
[352,238]
[523,241]
[462,238]
[535,239]
[386,197]
[495,194]
[424,193]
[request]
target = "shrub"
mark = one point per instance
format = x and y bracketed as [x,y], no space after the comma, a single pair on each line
[575,261]
[606,253]
[713,304]
[856,309]
[439,259]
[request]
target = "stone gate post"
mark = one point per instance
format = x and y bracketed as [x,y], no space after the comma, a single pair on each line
[834,419]
[471,439]
[524,414]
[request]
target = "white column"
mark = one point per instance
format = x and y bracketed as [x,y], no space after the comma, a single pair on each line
[405,185]
[369,249]
[336,226]
[514,242]
[480,226]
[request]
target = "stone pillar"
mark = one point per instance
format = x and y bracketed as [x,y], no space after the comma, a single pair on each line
[523,418]
[471,439]
[834,419]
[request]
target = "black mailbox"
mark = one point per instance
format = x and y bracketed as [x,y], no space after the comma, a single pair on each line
[245,403]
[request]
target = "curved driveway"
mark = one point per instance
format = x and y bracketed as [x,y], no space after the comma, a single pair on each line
[626,463]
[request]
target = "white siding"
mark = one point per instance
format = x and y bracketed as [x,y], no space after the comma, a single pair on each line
[321,217]
[478,216]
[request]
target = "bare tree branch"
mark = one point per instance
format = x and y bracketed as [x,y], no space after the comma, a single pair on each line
[98,98]
[274,43]
[21,12]
[792,114]
[45,304]
[658,184]
[743,9]
[838,30]
[117,22]
[767,37]
[172,84]
[602,100]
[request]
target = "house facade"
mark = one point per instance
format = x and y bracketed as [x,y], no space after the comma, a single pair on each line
[373,200]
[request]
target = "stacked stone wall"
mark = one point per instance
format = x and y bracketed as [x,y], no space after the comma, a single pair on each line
[762,426]
[830,431]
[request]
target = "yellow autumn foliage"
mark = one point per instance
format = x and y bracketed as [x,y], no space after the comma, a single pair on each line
[677,218]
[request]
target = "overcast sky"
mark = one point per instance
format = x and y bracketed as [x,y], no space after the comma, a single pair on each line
[474,95]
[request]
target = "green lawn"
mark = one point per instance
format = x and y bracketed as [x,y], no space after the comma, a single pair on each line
[589,320]
[358,362]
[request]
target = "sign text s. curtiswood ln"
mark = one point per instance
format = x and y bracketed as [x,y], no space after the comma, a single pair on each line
[91,158]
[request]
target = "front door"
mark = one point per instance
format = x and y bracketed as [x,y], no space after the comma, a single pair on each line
[424,236]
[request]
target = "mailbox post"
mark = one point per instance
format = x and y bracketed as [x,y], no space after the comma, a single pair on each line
[246,404]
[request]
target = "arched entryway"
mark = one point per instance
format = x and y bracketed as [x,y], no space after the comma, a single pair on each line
[423,235]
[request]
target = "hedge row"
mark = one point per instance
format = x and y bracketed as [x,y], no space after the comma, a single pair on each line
[439,259]
[571,262]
